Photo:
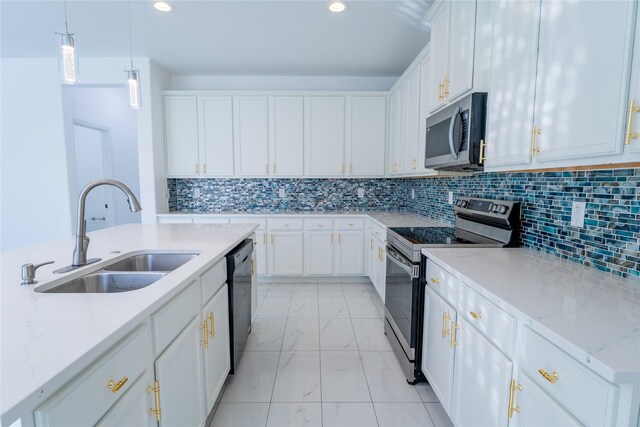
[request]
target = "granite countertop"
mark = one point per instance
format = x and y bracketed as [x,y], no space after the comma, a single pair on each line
[49,338]
[384,218]
[593,315]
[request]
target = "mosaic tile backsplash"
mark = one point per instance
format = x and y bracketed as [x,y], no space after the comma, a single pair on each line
[609,240]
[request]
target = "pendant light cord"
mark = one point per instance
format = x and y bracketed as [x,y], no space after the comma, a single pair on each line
[66,25]
[130,42]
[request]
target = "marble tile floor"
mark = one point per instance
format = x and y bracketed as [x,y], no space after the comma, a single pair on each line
[318,356]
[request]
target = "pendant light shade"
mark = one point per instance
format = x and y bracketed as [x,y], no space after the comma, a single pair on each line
[68,57]
[133,81]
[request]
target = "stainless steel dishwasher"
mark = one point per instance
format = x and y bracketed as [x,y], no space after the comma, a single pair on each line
[239,282]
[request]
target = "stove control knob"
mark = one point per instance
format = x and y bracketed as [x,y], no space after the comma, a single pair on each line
[463,203]
[502,209]
[492,208]
[459,203]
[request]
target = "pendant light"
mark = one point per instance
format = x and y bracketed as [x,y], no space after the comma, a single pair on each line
[68,57]
[133,74]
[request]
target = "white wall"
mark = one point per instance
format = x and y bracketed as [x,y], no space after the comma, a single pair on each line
[35,201]
[108,108]
[282,83]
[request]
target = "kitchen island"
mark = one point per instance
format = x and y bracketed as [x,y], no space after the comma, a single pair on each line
[48,339]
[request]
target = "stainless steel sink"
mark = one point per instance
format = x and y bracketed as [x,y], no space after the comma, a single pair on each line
[151,262]
[103,283]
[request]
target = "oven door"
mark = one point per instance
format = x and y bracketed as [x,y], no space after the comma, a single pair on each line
[402,299]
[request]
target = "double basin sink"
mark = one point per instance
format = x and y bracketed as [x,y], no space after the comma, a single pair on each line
[128,274]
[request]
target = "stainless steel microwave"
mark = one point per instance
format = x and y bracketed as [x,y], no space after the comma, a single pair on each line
[454,135]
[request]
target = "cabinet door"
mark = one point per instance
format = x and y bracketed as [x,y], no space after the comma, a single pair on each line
[481,380]
[286,135]
[632,145]
[261,253]
[425,81]
[381,269]
[439,53]
[366,135]
[319,252]
[133,408]
[180,375]
[462,36]
[285,253]
[537,408]
[349,253]
[437,354]
[216,135]
[324,136]
[582,78]
[251,135]
[514,56]
[181,128]
[397,149]
[393,132]
[372,254]
[217,353]
[412,122]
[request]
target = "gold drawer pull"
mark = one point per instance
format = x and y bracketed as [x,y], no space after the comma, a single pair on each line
[156,391]
[320,225]
[445,319]
[286,225]
[453,343]
[475,315]
[212,331]
[435,281]
[552,378]
[115,387]
[350,225]
[204,327]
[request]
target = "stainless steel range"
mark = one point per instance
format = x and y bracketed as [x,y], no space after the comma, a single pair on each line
[481,223]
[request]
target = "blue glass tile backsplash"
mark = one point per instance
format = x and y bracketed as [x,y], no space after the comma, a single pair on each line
[609,240]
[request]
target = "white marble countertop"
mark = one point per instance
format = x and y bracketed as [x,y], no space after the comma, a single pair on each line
[49,338]
[384,218]
[592,315]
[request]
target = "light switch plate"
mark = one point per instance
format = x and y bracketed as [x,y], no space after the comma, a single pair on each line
[450,197]
[281,193]
[196,192]
[413,193]
[360,193]
[577,214]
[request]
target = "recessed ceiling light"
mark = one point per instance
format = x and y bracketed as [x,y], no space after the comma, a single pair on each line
[337,6]
[163,6]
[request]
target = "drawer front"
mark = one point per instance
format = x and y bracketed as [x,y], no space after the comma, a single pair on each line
[262,222]
[493,322]
[377,230]
[213,279]
[318,224]
[86,399]
[175,220]
[173,317]
[349,223]
[285,224]
[442,282]
[210,220]
[587,396]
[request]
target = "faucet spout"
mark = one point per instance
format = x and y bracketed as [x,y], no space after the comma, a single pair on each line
[82,241]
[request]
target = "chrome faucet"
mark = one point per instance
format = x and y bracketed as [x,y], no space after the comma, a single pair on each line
[82,241]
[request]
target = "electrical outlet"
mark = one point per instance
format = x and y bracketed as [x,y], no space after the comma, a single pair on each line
[450,197]
[281,193]
[577,214]
[360,193]
[413,193]
[196,193]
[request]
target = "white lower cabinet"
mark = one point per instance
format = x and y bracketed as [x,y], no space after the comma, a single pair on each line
[216,352]
[285,253]
[481,378]
[261,253]
[349,253]
[133,408]
[319,252]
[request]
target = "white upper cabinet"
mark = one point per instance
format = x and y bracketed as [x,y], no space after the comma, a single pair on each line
[632,131]
[286,135]
[453,34]
[366,135]
[412,120]
[251,135]
[324,136]
[216,135]
[399,129]
[513,75]
[181,128]
[582,79]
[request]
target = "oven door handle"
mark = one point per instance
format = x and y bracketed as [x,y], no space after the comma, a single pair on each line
[401,262]
[454,145]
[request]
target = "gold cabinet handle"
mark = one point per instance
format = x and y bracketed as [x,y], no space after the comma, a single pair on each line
[633,108]
[453,343]
[342,170]
[320,225]
[483,146]
[371,245]
[534,141]
[212,331]
[445,319]
[350,168]
[115,387]
[274,168]
[445,87]
[512,389]
[272,239]
[156,390]
[204,168]
[332,238]
[435,281]
[197,168]
[413,164]
[379,254]
[552,378]
[264,238]
[253,267]
[475,315]
[266,168]
[440,88]
[204,327]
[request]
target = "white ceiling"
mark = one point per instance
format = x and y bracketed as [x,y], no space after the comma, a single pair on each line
[372,38]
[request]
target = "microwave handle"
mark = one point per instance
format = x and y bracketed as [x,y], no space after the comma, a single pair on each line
[452,125]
